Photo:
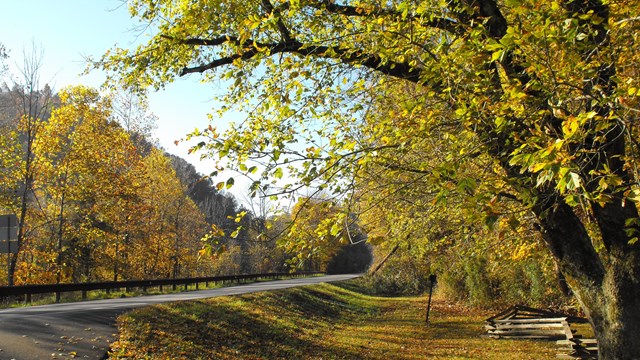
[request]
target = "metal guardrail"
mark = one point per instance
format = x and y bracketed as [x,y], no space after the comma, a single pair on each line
[28,290]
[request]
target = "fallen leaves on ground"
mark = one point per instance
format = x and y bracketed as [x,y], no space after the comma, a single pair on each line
[324,321]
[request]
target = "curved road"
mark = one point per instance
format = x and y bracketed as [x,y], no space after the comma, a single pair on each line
[83,330]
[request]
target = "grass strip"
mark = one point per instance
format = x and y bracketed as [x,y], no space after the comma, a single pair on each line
[327,321]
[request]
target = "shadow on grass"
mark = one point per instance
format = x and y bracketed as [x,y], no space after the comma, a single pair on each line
[330,302]
[328,321]
[280,325]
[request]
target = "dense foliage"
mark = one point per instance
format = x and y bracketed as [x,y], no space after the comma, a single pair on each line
[103,203]
[95,208]
[518,111]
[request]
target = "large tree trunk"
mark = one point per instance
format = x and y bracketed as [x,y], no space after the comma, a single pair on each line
[615,310]
[607,282]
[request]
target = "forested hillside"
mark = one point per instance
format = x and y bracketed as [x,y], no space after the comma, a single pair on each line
[91,204]
[96,199]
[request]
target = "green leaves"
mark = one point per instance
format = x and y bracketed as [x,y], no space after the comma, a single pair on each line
[407,110]
[230,182]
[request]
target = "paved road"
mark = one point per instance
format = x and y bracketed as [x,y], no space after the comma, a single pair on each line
[83,330]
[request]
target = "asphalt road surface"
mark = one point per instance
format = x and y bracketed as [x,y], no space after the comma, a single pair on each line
[84,330]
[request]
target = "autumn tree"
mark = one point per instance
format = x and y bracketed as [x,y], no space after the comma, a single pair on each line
[131,110]
[319,228]
[441,203]
[29,106]
[548,92]
[173,226]
[88,184]
[265,225]
[105,212]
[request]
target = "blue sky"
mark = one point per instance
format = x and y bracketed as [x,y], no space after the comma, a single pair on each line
[69,30]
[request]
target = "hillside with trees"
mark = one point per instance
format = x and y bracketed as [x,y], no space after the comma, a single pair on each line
[90,205]
[97,199]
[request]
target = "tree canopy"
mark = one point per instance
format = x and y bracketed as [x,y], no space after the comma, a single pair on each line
[502,101]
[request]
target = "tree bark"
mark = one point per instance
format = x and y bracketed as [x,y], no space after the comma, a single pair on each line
[607,283]
[395,248]
[561,281]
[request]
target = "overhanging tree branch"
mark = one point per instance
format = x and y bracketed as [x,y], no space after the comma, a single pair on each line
[282,28]
[427,20]
[400,70]
[485,12]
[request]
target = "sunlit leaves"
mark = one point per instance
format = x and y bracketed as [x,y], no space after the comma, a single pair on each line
[103,212]
[317,233]
[406,109]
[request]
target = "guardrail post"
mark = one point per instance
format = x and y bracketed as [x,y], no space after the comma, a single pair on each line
[186,286]
[57,298]
[27,299]
[160,287]
[173,286]
[196,285]
[84,294]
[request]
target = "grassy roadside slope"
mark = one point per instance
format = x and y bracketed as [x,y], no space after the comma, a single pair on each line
[326,321]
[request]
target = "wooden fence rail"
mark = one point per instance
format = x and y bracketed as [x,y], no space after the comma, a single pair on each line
[28,290]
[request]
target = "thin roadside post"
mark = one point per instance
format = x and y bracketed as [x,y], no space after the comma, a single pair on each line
[9,249]
[432,281]
[8,234]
